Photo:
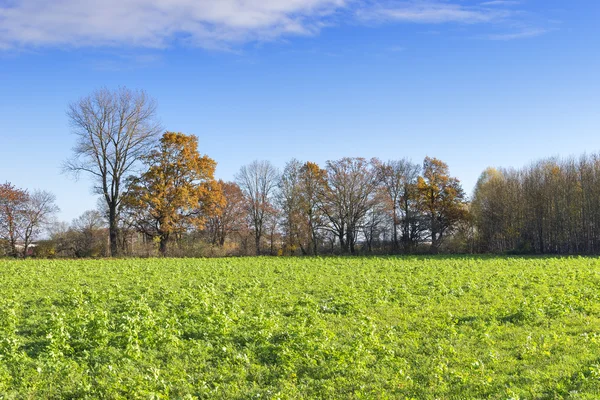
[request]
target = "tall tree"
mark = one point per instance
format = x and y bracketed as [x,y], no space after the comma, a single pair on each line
[258,181]
[13,203]
[496,207]
[399,181]
[114,130]
[313,182]
[290,203]
[348,196]
[374,227]
[442,200]
[177,191]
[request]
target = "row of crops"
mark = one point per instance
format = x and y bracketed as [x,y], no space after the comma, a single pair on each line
[442,327]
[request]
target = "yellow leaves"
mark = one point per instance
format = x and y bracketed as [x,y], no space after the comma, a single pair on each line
[178,189]
[441,194]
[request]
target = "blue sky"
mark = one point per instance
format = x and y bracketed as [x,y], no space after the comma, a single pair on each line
[474,83]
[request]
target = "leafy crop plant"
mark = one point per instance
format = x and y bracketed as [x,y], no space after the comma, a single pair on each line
[301,328]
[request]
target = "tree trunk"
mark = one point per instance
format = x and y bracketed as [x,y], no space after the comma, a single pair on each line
[257,242]
[113,230]
[25,248]
[313,234]
[434,237]
[350,240]
[302,249]
[13,247]
[395,217]
[343,243]
[163,245]
[12,238]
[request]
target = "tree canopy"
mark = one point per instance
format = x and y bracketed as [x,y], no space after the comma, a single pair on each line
[176,192]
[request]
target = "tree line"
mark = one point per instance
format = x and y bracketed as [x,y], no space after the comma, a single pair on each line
[549,207]
[158,196]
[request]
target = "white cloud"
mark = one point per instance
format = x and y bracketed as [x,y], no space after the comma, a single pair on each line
[212,23]
[156,23]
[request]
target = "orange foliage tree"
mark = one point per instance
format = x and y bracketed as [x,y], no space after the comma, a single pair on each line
[231,216]
[442,200]
[13,203]
[177,191]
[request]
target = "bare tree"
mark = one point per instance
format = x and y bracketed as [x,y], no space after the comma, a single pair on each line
[37,213]
[114,129]
[348,196]
[375,220]
[399,181]
[89,230]
[258,181]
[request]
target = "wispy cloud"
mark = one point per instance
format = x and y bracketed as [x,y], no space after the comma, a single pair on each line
[222,24]
[500,3]
[527,33]
[495,14]
[433,12]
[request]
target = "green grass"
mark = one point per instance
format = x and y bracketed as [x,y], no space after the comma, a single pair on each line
[424,328]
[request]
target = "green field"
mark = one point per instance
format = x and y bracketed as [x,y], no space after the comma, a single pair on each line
[424,328]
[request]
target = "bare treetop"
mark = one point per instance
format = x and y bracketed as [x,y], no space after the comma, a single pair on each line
[114,129]
[258,181]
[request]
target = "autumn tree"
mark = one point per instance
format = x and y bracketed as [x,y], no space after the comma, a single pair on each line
[258,181]
[487,208]
[549,206]
[496,210]
[13,202]
[230,217]
[177,191]
[442,200]
[114,131]
[313,183]
[301,190]
[290,203]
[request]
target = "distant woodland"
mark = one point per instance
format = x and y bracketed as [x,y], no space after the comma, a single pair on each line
[158,197]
